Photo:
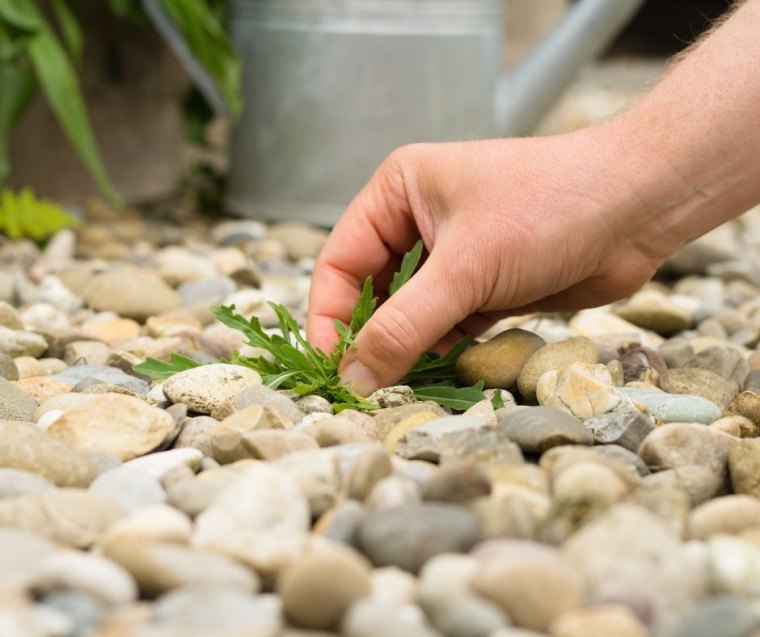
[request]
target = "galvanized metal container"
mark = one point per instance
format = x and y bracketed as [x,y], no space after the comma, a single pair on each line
[332,86]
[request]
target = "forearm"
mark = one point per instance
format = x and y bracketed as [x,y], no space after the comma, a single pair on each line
[692,145]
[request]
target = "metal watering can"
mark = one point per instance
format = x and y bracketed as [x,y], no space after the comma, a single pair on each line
[332,86]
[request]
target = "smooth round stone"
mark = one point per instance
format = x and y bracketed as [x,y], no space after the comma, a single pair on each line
[747,404]
[734,565]
[728,515]
[300,240]
[630,556]
[393,491]
[738,426]
[699,382]
[70,516]
[40,388]
[262,498]
[724,615]
[498,361]
[8,369]
[686,444]
[130,292]
[699,483]
[554,356]
[207,609]
[160,567]
[15,404]
[318,590]
[104,374]
[387,419]
[604,620]
[26,448]
[371,466]
[318,472]
[444,578]
[370,618]
[88,573]
[727,362]
[206,388]
[314,405]
[408,536]
[671,505]
[458,482]
[392,586]
[652,310]
[341,523]
[16,482]
[84,611]
[157,523]
[209,291]
[470,616]
[264,396]
[158,465]
[532,590]
[196,434]
[744,467]
[536,429]
[336,430]
[21,555]
[511,515]
[582,389]
[17,343]
[131,488]
[588,482]
[670,408]
[123,426]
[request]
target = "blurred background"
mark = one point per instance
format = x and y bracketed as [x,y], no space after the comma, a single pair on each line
[326,91]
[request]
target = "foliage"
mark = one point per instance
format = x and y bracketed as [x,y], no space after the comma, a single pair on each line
[33,55]
[22,215]
[293,363]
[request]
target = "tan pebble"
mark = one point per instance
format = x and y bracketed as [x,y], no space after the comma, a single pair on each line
[405,426]
[726,425]
[41,388]
[604,620]
[112,331]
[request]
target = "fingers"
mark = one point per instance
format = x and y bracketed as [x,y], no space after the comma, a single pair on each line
[411,321]
[376,227]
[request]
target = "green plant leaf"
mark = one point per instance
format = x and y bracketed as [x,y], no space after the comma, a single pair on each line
[161,370]
[431,367]
[408,266]
[17,90]
[458,398]
[70,31]
[22,215]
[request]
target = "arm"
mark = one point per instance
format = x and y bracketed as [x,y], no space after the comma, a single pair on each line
[546,223]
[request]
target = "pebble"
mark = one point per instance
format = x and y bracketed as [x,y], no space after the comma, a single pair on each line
[434,438]
[317,591]
[70,516]
[103,373]
[17,343]
[15,482]
[26,448]
[554,356]
[498,361]
[159,567]
[152,523]
[727,362]
[744,467]
[670,408]
[264,396]
[603,620]
[724,615]
[22,553]
[130,488]
[370,618]
[625,427]
[652,310]
[158,465]
[206,388]
[123,426]
[394,396]
[734,565]
[457,482]
[581,389]
[727,515]
[15,404]
[407,536]
[700,382]
[536,429]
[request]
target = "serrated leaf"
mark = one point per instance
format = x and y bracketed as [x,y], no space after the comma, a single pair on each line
[430,367]
[364,308]
[459,398]
[408,266]
[161,370]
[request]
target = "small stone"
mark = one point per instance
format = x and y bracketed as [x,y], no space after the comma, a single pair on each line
[158,465]
[372,618]
[554,356]
[727,362]
[196,434]
[652,310]
[160,567]
[262,498]
[131,293]
[103,373]
[8,368]
[395,396]
[724,615]
[734,565]
[736,425]
[435,438]
[300,240]
[536,429]
[581,389]
[156,523]
[673,408]
[589,483]
[336,430]
[532,590]
[130,488]
[747,404]
[264,396]
[17,343]
[15,482]
[406,425]
[654,575]
[698,483]
[625,427]
[82,612]
[111,423]
[407,536]
[319,474]
[370,467]
[273,444]
[15,404]
[458,482]
[206,388]
[393,491]
[728,515]
[25,447]
[387,419]
[499,361]
[317,591]
[40,388]
[314,405]
[695,381]
[70,516]
[744,467]
[87,573]
[676,352]
[604,620]
[86,353]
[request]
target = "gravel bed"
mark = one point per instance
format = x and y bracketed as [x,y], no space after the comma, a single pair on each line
[616,494]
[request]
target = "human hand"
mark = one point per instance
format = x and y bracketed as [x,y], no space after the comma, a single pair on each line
[511,226]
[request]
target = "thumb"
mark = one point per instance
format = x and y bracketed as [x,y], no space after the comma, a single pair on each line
[411,321]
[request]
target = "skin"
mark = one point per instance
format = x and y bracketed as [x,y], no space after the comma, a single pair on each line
[548,223]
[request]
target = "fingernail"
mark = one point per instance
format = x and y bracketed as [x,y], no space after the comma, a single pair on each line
[362,381]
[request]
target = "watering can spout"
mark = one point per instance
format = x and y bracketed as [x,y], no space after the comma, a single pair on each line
[526,94]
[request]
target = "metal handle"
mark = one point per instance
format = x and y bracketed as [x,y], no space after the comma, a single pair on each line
[192,66]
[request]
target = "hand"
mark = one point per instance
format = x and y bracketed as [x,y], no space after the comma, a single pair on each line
[511,226]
